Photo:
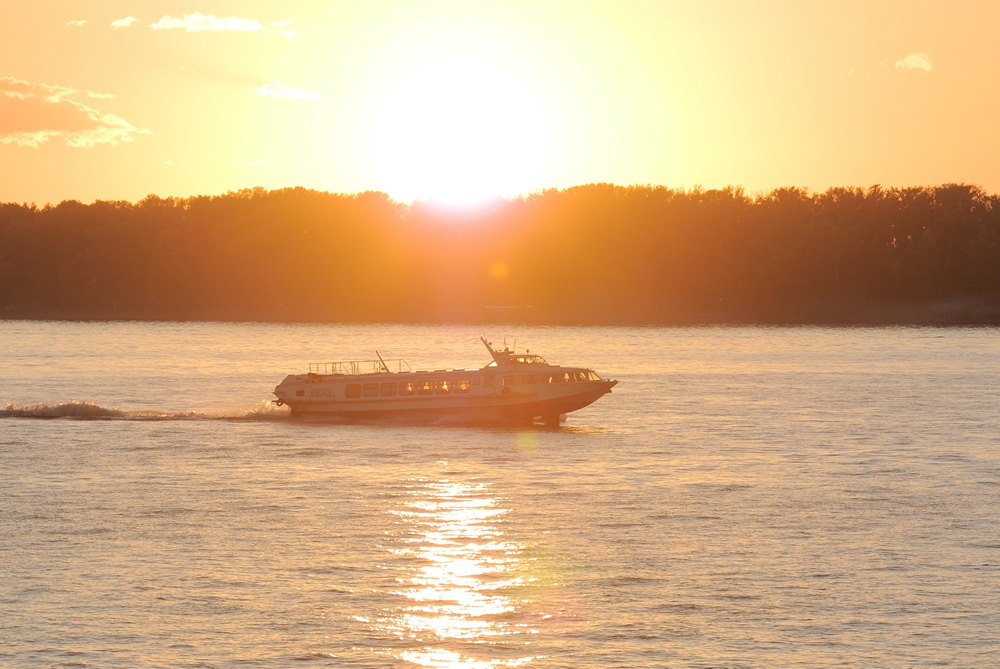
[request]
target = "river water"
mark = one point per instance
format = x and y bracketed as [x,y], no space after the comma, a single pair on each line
[747,497]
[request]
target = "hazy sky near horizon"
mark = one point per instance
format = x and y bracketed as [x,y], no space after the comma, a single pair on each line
[112,99]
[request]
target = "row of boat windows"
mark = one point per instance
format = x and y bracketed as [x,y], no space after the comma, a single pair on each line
[389,389]
[448,386]
[531,379]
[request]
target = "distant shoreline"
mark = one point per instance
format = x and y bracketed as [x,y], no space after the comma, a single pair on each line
[589,255]
[912,315]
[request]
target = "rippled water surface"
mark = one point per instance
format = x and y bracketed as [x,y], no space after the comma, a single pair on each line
[746,497]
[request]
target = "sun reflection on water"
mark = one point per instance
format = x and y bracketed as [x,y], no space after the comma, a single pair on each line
[460,580]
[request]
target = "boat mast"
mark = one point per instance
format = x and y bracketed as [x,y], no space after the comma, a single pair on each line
[384,366]
[489,347]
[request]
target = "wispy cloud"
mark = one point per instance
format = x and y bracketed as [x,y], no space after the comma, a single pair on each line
[276,89]
[31,114]
[76,23]
[118,24]
[199,22]
[915,61]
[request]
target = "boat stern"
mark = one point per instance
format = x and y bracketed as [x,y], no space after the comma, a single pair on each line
[284,391]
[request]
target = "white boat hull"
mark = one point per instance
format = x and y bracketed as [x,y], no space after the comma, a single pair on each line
[513,408]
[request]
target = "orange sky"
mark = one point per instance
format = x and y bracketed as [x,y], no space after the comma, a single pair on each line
[460,100]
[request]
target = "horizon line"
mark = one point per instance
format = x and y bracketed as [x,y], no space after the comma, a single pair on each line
[486,201]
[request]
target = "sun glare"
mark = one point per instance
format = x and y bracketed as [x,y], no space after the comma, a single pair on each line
[463,578]
[459,131]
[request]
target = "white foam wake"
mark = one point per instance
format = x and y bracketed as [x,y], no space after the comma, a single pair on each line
[265,410]
[82,410]
[74,409]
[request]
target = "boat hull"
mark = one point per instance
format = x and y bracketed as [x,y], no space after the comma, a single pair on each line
[513,408]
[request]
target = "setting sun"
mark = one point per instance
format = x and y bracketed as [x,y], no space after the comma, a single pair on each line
[459,130]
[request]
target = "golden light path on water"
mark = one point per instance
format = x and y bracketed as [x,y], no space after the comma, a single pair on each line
[463,570]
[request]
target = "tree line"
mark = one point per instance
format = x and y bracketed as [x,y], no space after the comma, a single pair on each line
[594,254]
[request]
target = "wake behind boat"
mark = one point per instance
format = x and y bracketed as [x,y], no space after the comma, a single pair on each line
[512,388]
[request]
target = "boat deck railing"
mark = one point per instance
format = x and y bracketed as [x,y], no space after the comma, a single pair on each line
[355,367]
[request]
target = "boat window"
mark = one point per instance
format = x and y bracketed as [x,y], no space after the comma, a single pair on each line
[531,378]
[387,389]
[406,387]
[425,387]
[512,380]
[582,376]
[443,387]
[462,385]
[353,390]
[555,378]
[370,390]
[593,376]
[569,376]
[530,360]
[488,381]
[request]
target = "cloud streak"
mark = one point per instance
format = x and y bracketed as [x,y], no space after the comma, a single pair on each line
[76,24]
[118,24]
[276,89]
[199,22]
[32,114]
[915,61]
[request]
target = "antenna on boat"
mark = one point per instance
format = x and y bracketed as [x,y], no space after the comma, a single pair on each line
[384,366]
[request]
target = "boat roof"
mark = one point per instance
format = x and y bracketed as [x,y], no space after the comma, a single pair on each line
[509,357]
[381,366]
